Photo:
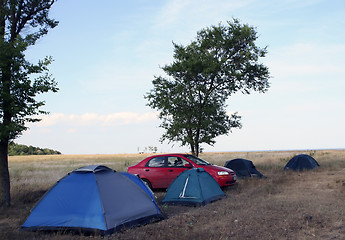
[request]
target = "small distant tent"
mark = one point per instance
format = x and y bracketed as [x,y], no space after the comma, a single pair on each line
[94,199]
[194,187]
[301,162]
[243,168]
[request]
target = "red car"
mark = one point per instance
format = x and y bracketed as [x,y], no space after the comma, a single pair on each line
[160,170]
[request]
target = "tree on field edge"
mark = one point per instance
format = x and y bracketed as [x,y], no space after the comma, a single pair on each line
[191,100]
[22,23]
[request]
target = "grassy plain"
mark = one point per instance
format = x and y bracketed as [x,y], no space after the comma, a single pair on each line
[285,205]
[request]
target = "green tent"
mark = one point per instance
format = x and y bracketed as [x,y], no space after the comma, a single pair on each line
[193,187]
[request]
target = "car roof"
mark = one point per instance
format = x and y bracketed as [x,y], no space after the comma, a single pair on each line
[172,154]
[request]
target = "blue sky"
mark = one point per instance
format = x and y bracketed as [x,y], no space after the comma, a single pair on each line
[106,54]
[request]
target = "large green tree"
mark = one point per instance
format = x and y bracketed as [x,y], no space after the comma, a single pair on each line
[191,98]
[22,22]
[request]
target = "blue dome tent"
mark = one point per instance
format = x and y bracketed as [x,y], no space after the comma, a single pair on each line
[301,162]
[94,199]
[194,187]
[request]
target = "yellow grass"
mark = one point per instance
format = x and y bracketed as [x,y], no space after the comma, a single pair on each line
[286,205]
[44,170]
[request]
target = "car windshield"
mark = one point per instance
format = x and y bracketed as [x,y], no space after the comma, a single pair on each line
[197,160]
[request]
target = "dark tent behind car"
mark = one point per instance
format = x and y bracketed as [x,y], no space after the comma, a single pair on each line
[94,199]
[194,187]
[301,162]
[243,168]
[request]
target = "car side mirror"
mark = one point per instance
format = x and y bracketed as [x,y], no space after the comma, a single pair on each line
[187,165]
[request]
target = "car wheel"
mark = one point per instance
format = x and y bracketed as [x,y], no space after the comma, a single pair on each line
[147,183]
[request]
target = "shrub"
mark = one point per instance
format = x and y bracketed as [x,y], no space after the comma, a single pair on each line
[20,149]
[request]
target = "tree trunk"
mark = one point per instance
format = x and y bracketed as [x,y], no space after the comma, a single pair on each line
[5,197]
[196,149]
[192,149]
[196,140]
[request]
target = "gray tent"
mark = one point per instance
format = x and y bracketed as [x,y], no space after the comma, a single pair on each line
[301,162]
[243,168]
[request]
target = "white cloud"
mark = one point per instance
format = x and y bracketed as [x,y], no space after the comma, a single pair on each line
[171,12]
[306,59]
[92,119]
[196,13]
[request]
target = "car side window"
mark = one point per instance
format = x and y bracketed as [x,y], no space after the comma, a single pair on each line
[176,162]
[156,162]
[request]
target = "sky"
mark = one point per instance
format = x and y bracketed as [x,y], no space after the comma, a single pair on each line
[106,54]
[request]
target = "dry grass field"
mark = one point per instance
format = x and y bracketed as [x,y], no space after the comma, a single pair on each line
[285,205]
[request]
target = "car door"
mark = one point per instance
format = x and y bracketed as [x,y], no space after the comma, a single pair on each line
[155,172]
[176,166]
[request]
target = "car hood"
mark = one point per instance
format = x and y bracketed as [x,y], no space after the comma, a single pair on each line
[216,168]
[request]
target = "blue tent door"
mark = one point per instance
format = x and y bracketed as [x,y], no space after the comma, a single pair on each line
[189,191]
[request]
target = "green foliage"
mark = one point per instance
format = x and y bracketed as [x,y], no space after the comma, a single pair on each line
[22,23]
[22,81]
[192,102]
[19,149]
